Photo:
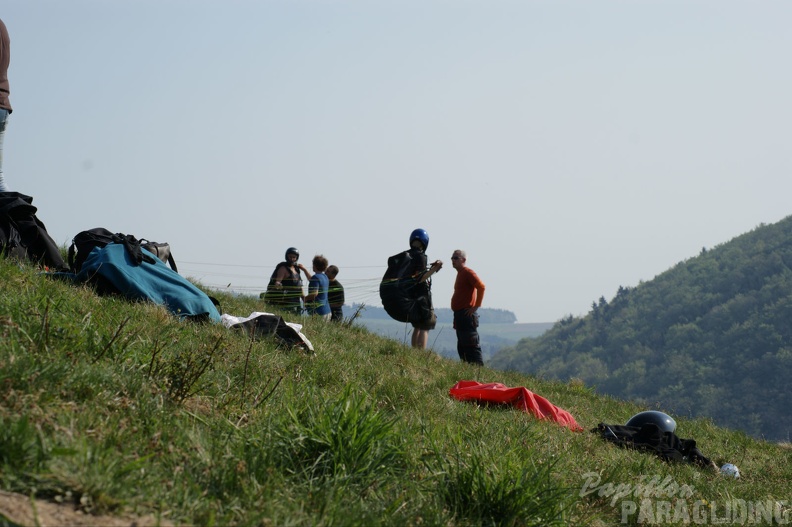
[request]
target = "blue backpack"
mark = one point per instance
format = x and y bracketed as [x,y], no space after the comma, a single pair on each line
[114,269]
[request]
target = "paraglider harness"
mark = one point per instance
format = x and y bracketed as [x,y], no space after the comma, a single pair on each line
[289,294]
[404,297]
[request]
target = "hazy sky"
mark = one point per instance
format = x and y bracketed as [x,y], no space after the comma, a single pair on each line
[569,146]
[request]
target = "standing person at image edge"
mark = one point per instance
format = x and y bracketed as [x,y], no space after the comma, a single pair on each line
[467,298]
[5,104]
[419,241]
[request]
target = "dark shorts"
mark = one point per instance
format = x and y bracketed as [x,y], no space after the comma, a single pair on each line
[428,323]
[422,315]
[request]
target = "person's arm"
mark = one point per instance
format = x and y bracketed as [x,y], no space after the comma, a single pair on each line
[301,267]
[436,266]
[479,287]
[281,275]
[479,295]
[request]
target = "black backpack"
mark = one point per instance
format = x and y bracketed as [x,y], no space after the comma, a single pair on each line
[403,297]
[84,242]
[23,235]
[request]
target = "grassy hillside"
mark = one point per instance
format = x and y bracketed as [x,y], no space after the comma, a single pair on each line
[709,337]
[117,409]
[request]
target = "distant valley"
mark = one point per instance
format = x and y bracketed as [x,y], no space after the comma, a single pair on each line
[498,329]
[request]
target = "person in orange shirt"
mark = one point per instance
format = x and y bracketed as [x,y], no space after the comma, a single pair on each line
[467,298]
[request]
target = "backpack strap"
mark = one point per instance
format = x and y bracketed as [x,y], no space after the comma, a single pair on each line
[172,262]
[132,246]
[161,251]
[71,256]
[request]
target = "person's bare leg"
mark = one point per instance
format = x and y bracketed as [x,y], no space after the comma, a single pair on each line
[420,338]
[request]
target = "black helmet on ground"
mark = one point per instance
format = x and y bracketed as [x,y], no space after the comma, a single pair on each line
[294,251]
[663,421]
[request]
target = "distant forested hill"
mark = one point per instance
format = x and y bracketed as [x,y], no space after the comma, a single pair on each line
[711,336]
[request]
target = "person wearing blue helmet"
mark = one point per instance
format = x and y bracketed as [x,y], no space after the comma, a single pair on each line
[425,319]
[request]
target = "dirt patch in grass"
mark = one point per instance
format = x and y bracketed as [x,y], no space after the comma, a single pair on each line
[17,510]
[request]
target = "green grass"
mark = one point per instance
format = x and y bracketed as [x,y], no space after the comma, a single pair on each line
[120,408]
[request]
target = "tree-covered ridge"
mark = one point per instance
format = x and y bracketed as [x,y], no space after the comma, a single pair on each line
[711,336]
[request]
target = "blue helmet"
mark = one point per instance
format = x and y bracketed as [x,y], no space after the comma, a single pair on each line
[420,235]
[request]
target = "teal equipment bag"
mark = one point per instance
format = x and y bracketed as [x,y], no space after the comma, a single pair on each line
[112,269]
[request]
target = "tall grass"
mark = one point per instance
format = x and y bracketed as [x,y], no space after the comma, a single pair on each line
[119,408]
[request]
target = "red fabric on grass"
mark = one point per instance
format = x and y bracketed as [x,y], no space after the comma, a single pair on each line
[522,398]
